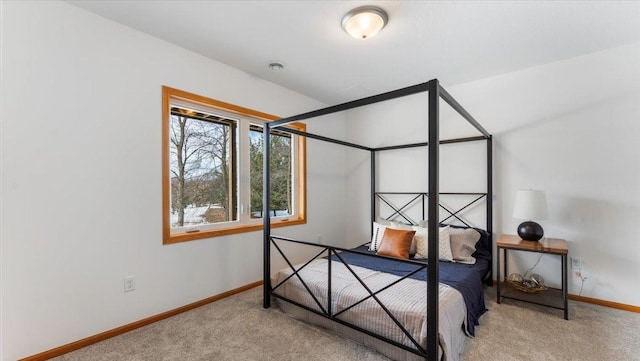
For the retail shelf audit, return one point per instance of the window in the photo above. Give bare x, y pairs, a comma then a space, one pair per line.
281, 170
212, 169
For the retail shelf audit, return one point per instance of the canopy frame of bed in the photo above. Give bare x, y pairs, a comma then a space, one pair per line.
435, 93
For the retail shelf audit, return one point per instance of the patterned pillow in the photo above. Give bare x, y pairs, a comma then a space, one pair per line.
378, 232
420, 242
444, 243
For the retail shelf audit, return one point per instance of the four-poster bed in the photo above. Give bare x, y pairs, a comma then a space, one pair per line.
422, 340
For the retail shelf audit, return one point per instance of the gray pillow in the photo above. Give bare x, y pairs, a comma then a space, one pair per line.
463, 244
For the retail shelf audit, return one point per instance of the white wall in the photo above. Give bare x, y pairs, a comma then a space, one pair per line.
81, 177
570, 128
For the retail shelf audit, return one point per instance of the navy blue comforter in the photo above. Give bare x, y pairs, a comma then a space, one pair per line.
465, 278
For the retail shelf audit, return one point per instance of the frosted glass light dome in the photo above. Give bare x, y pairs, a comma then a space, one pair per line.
364, 22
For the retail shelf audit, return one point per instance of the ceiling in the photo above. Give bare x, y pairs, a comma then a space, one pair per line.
456, 42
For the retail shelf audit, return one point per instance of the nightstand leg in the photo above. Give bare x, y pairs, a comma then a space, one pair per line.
506, 264
498, 275
564, 287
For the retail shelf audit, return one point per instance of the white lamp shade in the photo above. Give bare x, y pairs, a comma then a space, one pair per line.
531, 205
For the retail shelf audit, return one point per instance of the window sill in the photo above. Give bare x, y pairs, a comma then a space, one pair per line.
184, 237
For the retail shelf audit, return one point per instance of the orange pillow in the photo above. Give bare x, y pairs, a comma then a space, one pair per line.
396, 243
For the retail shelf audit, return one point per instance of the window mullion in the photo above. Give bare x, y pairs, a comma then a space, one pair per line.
244, 177
294, 172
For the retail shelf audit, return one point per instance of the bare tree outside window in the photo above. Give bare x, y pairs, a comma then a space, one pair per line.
201, 149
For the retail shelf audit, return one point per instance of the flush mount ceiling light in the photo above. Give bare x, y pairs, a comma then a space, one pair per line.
364, 22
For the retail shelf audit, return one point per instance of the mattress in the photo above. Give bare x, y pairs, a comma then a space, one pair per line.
405, 300
466, 278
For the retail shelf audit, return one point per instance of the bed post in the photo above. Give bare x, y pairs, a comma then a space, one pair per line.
266, 202
489, 281
433, 223
373, 189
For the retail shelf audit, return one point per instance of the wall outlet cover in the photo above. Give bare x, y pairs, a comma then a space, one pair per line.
576, 263
129, 283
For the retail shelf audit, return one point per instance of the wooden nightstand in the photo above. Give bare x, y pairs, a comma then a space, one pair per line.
553, 297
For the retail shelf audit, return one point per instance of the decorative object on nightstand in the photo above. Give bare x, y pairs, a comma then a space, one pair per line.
531, 205
534, 284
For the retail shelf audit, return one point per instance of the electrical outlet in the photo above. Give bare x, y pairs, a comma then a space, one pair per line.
129, 283
576, 263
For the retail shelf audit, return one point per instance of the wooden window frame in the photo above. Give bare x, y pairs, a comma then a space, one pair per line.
300, 216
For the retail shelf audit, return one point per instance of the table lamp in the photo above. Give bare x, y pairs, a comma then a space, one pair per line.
530, 205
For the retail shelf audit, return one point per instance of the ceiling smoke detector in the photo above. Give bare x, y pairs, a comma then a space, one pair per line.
276, 66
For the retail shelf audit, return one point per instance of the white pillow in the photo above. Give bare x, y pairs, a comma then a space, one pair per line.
422, 243
378, 232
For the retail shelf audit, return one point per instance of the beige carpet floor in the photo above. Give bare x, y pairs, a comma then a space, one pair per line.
238, 328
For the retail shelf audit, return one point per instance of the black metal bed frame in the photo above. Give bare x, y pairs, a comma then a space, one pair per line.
334, 253
435, 93
398, 210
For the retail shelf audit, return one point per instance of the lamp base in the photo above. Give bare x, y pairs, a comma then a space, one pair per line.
530, 231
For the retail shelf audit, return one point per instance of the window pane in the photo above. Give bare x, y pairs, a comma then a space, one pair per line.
281, 173
202, 148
